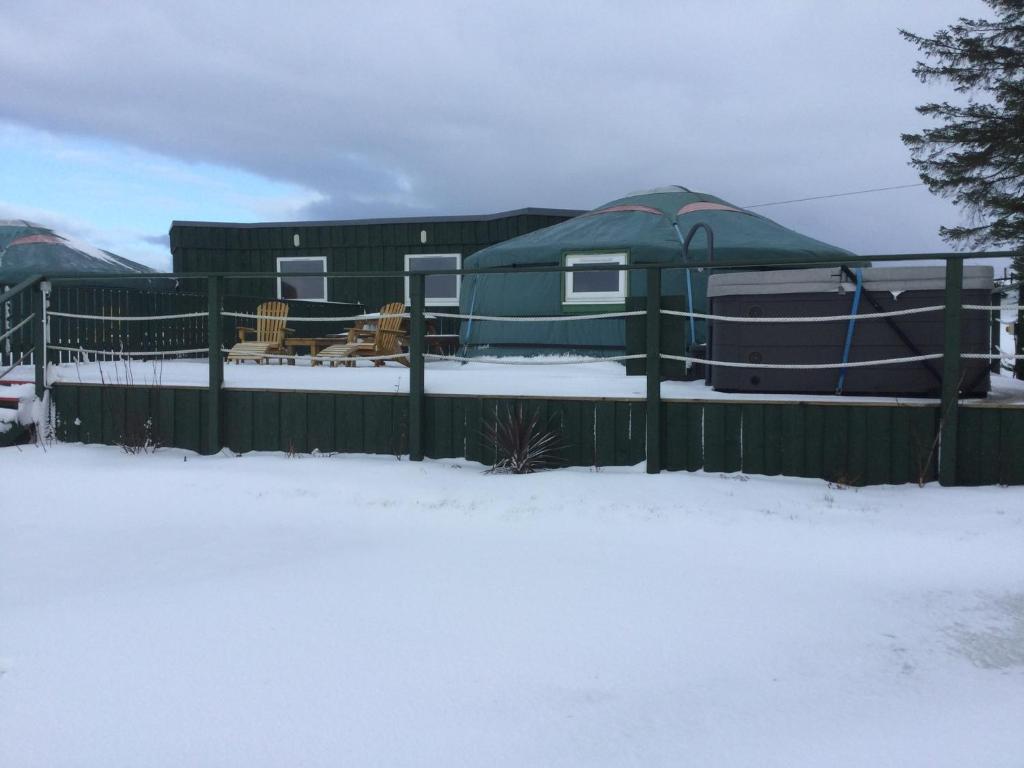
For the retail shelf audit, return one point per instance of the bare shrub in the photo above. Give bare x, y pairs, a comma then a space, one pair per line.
137, 436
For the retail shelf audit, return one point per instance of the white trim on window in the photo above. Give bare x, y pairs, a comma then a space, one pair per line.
321, 259
442, 301
572, 296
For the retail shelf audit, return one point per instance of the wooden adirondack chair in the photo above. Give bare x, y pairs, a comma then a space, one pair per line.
269, 333
384, 339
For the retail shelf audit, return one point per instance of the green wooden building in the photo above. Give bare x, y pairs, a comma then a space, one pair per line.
361, 245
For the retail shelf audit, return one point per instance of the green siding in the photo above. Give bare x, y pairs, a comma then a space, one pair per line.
354, 247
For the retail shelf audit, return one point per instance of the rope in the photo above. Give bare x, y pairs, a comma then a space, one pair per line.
19, 325
821, 319
292, 318
636, 313
996, 307
803, 366
119, 318
554, 319
545, 319
979, 356
119, 353
501, 361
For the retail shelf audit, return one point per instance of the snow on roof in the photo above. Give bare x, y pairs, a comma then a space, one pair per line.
668, 190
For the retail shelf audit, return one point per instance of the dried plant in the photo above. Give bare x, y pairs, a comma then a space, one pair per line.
522, 444
137, 436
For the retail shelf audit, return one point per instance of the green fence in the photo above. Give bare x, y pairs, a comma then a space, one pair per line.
849, 443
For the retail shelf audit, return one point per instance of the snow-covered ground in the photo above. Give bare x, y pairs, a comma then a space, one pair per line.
510, 377
170, 609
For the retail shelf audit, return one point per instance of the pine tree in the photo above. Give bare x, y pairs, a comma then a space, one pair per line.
975, 155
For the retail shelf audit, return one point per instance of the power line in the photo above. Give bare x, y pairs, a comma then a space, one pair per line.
837, 194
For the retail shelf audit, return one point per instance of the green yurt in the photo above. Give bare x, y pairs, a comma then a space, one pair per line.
27, 249
646, 227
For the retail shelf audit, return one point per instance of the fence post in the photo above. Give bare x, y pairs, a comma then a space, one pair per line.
39, 335
653, 370
416, 332
948, 415
1018, 337
216, 361
995, 328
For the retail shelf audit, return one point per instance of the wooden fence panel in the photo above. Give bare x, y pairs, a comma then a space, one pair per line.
238, 420
320, 422
861, 444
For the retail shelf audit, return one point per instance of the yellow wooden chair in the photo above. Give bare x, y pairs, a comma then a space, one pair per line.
269, 334
384, 339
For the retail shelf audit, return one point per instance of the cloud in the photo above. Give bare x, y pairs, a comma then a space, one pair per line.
54, 220
163, 240
402, 108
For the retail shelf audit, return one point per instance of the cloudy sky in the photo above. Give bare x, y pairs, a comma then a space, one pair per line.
117, 118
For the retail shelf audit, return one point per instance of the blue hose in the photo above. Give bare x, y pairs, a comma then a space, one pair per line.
469, 323
849, 330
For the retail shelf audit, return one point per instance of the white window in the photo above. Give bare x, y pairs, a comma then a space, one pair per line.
598, 286
439, 290
307, 288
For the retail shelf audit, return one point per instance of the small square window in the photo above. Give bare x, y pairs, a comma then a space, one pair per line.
597, 286
439, 290
307, 288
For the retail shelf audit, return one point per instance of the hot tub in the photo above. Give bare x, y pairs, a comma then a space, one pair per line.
830, 291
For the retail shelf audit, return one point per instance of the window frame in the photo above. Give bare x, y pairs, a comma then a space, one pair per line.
321, 259
428, 302
572, 299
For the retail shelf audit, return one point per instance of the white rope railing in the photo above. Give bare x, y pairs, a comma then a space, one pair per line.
838, 318
983, 356
549, 318
538, 361
802, 366
810, 319
545, 319
995, 307
128, 318
506, 361
293, 318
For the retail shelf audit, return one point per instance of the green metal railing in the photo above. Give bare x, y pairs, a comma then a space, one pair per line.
214, 281
32, 292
